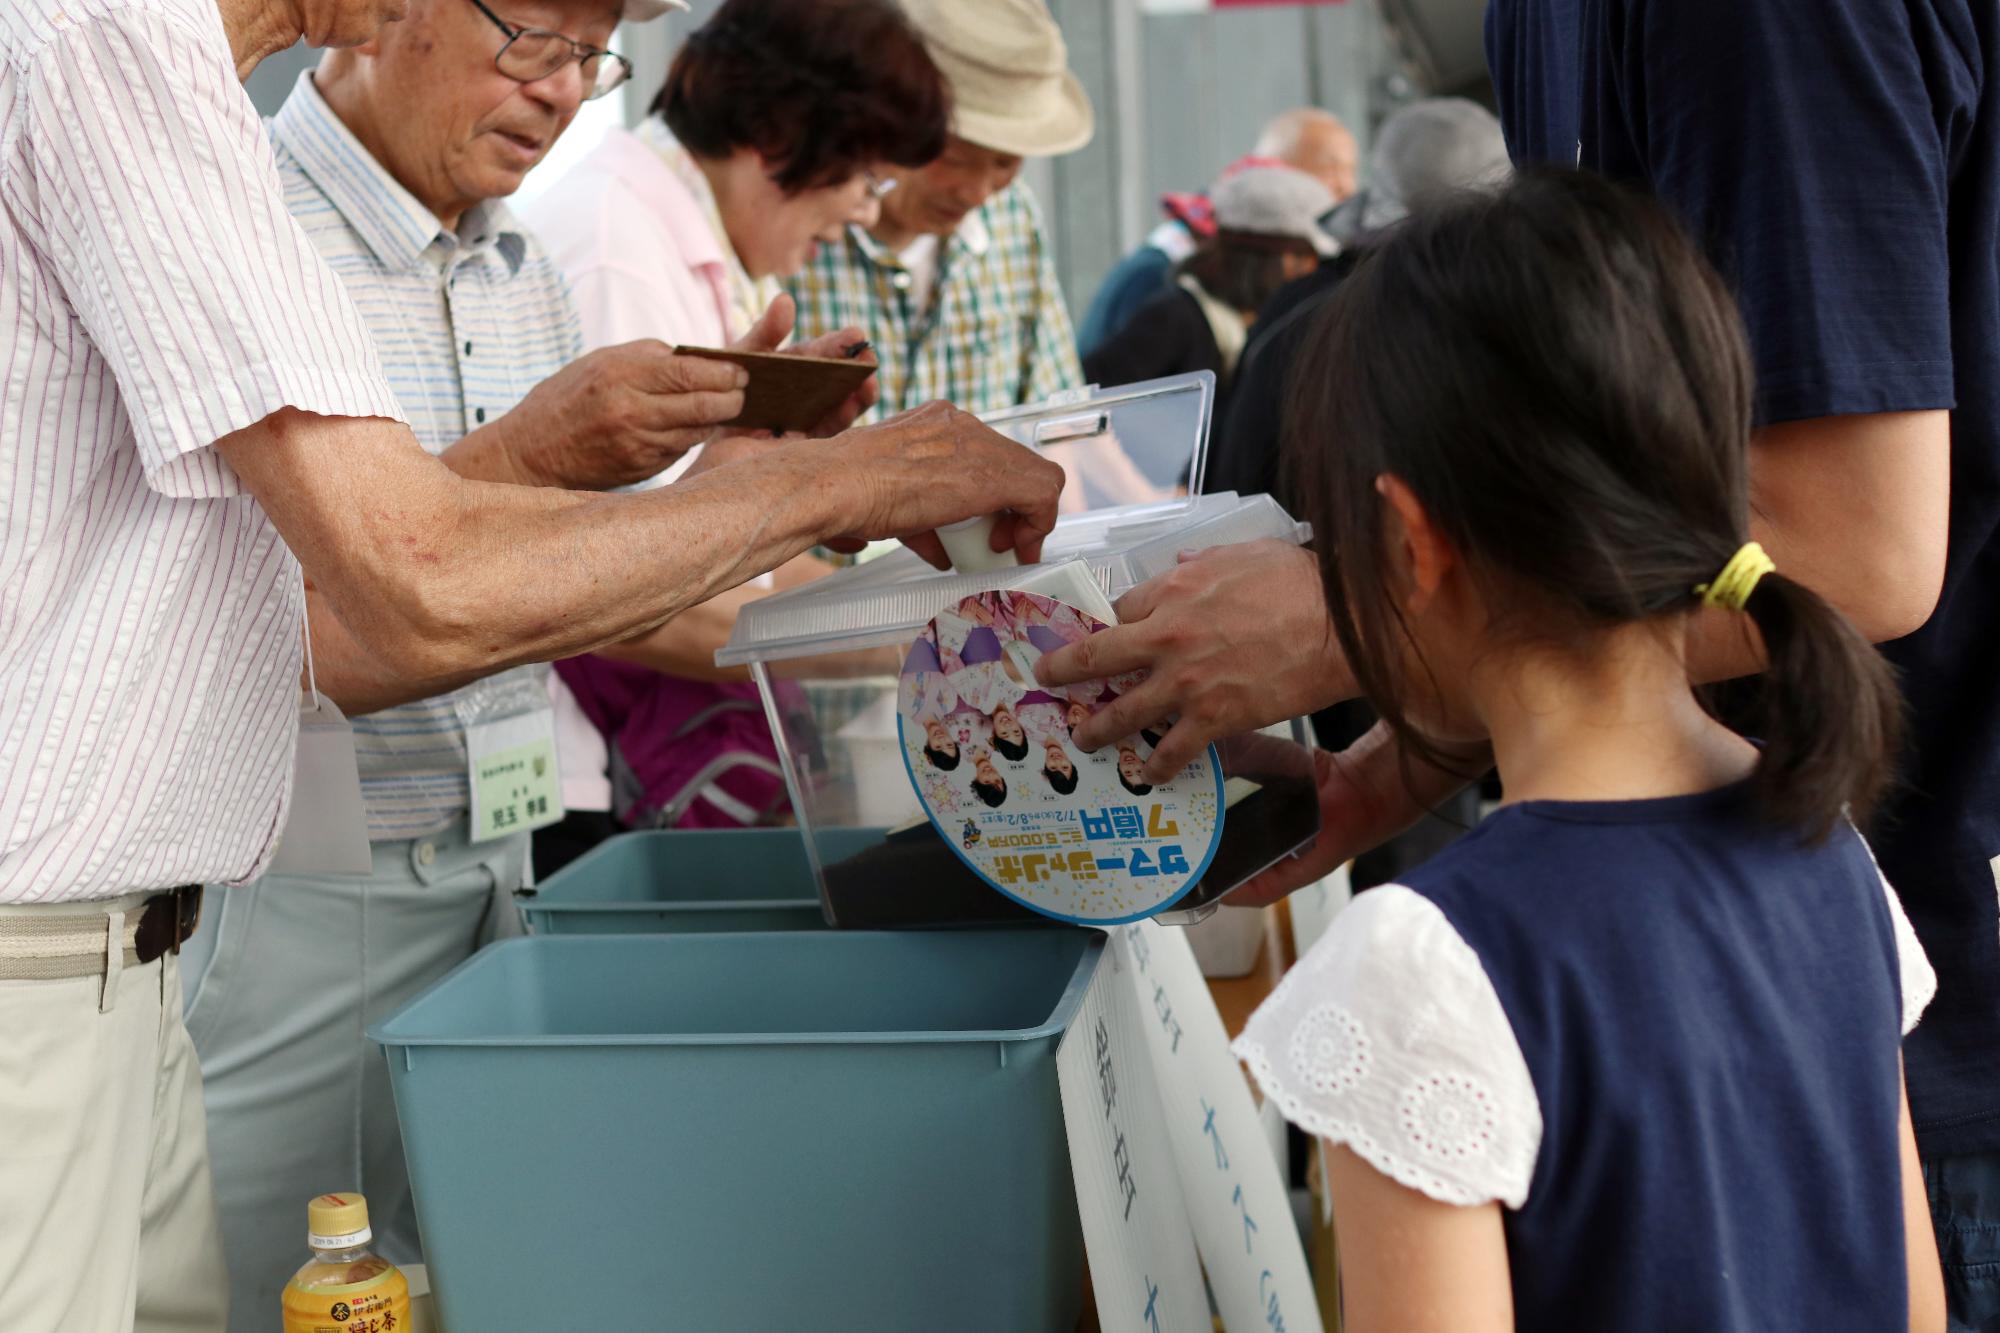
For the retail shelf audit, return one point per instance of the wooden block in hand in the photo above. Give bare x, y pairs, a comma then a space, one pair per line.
789, 393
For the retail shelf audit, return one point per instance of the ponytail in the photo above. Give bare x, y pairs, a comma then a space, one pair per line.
1828, 712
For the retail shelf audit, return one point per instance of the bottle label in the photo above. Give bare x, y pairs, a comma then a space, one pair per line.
379, 1305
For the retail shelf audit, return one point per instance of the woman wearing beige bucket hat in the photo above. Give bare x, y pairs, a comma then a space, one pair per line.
954, 284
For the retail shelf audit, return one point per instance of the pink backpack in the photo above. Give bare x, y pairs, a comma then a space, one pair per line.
684, 753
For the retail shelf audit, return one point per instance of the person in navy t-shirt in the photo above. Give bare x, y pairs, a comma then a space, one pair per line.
1626, 1056
1840, 162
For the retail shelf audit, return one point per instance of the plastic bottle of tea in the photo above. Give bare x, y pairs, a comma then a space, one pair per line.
345, 1287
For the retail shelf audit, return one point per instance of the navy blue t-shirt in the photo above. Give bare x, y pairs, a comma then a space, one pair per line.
1840, 162
1710, 1013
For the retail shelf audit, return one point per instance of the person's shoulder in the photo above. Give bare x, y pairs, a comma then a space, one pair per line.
311, 207
1387, 1024
29, 27
1017, 197
582, 191
1504, 866
596, 212
1014, 211
1305, 293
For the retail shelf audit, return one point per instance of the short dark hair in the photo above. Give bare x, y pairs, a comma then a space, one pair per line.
1064, 783
942, 760
1136, 788
1565, 386
822, 89
1013, 750
993, 793
1243, 270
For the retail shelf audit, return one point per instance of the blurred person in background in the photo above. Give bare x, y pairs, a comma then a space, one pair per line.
1312, 140
1268, 233
1425, 152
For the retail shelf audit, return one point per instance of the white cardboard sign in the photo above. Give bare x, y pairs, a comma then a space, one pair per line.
1143, 1268
1163, 1116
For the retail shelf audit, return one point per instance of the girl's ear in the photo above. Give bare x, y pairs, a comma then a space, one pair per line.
1419, 558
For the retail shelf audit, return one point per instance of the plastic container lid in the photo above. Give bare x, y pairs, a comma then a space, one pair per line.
1124, 445
886, 601
338, 1222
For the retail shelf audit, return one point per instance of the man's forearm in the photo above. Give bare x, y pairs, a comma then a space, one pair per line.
436, 578
686, 645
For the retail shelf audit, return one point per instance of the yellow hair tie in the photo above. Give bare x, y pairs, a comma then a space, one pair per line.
1732, 587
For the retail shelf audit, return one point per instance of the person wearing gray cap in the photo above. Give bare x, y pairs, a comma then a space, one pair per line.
1425, 152
1305, 137
1268, 233
954, 284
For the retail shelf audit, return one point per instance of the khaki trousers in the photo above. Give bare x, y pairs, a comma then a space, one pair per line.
107, 1216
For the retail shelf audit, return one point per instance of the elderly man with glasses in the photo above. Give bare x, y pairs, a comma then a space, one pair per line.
395, 157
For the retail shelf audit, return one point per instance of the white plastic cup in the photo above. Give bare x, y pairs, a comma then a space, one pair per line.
970, 546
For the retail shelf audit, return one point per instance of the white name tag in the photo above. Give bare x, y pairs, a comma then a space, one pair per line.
516, 785
326, 832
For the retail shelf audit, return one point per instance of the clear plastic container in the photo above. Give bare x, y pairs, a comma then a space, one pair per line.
826, 656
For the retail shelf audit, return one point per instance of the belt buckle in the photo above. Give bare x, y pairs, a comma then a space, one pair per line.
167, 919
187, 913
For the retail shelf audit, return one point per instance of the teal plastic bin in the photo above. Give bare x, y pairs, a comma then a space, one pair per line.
675, 881
822, 1130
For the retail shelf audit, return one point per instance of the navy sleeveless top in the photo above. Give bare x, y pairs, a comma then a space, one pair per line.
1711, 1015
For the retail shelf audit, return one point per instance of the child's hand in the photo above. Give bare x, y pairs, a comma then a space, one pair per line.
1365, 799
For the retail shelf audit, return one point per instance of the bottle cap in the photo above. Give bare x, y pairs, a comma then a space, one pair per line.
337, 1222
970, 545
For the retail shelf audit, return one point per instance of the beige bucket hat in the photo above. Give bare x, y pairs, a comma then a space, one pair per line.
1011, 86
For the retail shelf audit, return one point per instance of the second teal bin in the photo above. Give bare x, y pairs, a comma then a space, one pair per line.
684, 881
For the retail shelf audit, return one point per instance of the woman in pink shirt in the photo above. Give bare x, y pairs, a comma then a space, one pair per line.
767, 138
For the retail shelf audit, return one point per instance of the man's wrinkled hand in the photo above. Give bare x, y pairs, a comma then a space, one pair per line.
1234, 639
621, 415
936, 465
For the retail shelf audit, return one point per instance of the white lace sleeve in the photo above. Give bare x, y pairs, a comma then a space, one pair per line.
1388, 1037
1912, 963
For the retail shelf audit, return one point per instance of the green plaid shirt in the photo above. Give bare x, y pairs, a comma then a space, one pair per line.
997, 333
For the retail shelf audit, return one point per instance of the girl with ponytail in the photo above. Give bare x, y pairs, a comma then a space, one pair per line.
1627, 1056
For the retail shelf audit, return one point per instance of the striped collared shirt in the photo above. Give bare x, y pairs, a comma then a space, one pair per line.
995, 332
154, 297
466, 324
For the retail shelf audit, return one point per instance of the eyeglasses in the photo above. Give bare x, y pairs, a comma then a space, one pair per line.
531, 54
